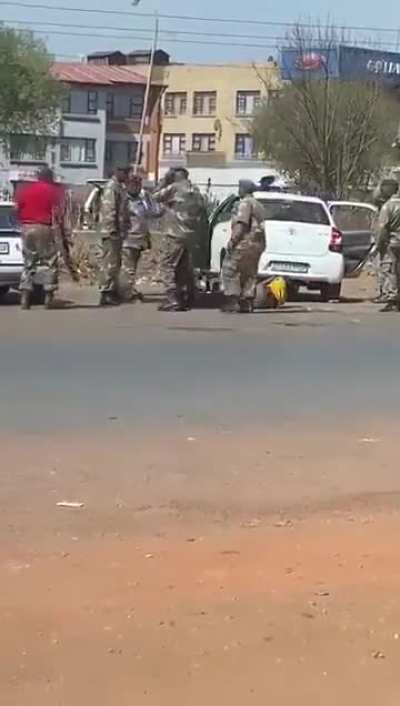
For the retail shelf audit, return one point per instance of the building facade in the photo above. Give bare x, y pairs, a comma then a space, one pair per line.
98, 127
206, 121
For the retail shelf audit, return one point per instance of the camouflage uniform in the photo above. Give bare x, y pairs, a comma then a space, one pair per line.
40, 258
136, 241
240, 265
185, 207
114, 222
382, 260
388, 242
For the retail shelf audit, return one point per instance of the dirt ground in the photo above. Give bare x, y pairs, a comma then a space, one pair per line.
280, 581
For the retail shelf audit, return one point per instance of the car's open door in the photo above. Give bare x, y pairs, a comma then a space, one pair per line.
356, 221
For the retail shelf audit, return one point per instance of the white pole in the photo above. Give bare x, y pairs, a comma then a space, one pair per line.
147, 92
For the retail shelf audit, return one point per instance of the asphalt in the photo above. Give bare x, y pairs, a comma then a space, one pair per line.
78, 366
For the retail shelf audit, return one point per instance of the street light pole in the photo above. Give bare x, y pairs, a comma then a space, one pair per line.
147, 91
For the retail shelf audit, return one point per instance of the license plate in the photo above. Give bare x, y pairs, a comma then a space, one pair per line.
4, 249
289, 267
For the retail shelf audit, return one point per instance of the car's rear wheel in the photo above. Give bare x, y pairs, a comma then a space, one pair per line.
330, 292
4, 289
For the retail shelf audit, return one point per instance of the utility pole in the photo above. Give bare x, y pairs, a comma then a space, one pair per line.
147, 91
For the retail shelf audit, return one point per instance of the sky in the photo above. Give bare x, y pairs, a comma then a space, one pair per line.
190, 35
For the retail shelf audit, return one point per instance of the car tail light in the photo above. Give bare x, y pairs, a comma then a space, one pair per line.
336, 243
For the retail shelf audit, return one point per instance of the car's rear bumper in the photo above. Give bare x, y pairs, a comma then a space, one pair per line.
327, 269
10, 275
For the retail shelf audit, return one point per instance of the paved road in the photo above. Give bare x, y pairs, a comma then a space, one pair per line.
81, 365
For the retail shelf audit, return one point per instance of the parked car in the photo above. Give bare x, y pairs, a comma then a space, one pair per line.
10, 248
304, 244
356, 222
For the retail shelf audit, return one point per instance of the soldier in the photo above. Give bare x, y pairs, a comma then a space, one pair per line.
383, 261
39, 205
138, 237
388, 242
184, 209
114, 223
239, 268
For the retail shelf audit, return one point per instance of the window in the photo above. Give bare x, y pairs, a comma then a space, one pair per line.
244, 147
110, 105
8, 219
174, 144
66, 103
25, 149
175, 104
205, 103
92, 100
247, 102
203, 142
136, 105
78, 151
353, 218
286, 210
225, 211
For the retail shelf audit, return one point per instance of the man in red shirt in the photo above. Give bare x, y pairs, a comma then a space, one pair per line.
38, 208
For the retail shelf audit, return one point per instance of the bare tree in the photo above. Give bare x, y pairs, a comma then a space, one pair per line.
330, 136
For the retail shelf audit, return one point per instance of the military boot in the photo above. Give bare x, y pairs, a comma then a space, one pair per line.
107, 299
49, 300
25, 299
246, 306
170, 305
390, 306
230, 305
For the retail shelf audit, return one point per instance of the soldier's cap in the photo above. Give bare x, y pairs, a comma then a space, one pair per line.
247, 186
181, 170
125, 168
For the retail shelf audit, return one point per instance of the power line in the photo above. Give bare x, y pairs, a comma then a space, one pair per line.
141, 30
189, 18
148, 32
146, 39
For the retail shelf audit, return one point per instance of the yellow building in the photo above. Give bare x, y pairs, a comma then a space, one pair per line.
206, 123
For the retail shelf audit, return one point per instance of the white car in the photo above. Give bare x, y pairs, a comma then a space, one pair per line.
11, 261
304, 244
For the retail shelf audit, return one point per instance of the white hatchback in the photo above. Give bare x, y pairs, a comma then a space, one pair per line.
11, 261
303, 243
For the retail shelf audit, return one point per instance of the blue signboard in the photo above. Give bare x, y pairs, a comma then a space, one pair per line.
347, 63
362, 64
313, 63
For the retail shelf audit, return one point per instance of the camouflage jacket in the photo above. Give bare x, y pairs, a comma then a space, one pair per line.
250, 215
184, 208
114, 213
389, 221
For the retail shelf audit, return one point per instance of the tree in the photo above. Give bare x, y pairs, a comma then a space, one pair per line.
29, 96
330, 136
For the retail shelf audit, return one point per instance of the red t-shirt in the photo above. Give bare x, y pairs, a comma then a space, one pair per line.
37, 202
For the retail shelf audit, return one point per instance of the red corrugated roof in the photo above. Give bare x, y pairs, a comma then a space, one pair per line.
99, 75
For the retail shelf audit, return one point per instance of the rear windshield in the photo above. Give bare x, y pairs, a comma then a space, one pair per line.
8, 218
353, 217
297, 211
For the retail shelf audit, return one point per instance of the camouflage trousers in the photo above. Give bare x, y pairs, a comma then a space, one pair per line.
390, 271
40, 255
381, 267
130, 261
239, 272
110, 264
177, 271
